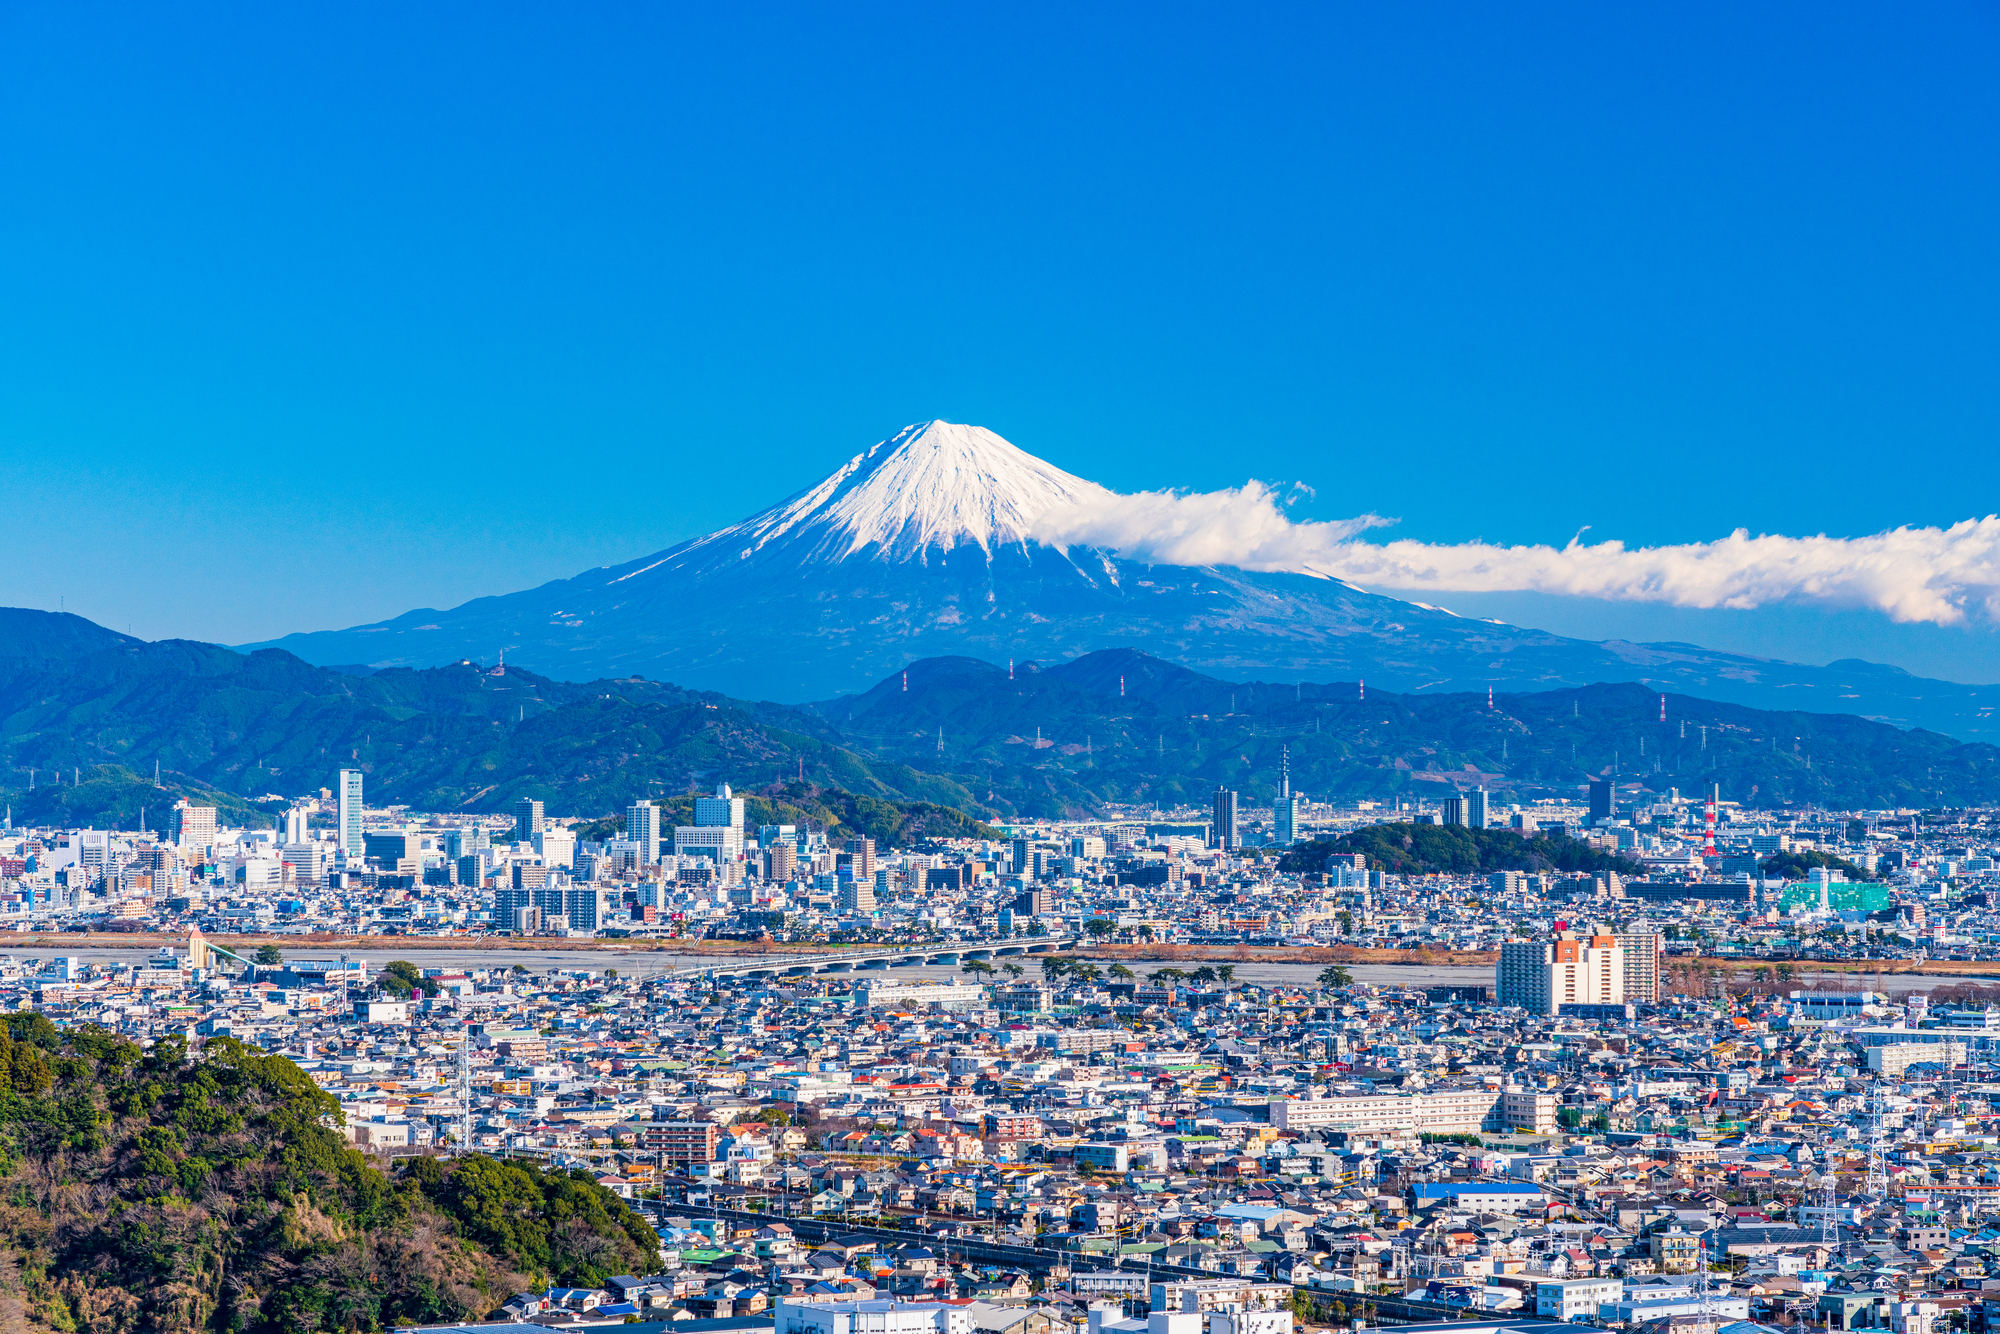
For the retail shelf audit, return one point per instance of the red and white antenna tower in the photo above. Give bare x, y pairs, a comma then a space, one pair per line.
1489, 697
906, 680
1121, 687
1361, 690
1708, 844
1663, 708
1010, 669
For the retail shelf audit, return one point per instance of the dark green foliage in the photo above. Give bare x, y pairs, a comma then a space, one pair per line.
1421, 849
148, 1191
1128, 727
964, 741
1794, 865
561, 1224
112, 796
226, 727
404, 977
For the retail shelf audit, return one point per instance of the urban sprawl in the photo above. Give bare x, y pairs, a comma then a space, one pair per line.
1675, 1097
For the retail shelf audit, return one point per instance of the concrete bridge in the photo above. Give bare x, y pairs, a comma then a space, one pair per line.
799, 965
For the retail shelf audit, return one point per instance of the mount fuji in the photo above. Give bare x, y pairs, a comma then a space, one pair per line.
925, 546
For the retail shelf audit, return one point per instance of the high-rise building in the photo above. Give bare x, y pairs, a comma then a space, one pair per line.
1451, 810
1020, 861
642, 826
585, 908
780, 860
395, 849
555, 846
528, 820
720, 843
1572, 969
1285, 811
1600, 799
1222, 828
294, 824
721, 811
1032, 903
1477, 811
549, 902
857, 897
1642, 965
350, 813
464, 842
193, 829
1521, 977
862, 851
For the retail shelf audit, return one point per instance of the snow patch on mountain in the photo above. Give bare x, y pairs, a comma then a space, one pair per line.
929, 488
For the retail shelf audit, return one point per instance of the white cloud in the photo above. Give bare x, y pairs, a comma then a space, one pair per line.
1245, 527
1910, 574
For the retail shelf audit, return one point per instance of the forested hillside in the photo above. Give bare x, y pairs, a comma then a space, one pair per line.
949, 735
1427, 849
149, 1192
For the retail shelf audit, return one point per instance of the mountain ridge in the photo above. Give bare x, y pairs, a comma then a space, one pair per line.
925, 546
944, 740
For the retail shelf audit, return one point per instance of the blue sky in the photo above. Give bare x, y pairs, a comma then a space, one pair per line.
318, 314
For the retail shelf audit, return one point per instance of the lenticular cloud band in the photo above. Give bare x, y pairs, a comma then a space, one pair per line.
1910, 574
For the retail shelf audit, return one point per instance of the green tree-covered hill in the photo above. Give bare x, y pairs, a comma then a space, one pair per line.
1421, 849
949, 743
145, 1191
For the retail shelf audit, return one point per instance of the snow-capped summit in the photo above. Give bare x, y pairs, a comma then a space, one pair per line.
930, 487
925, 546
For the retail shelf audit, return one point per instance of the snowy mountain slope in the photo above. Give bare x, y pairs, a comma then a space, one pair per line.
921, 547
927, 489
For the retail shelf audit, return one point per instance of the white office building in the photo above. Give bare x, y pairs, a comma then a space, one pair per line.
642, 826
351, 841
